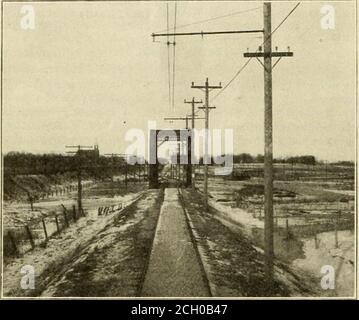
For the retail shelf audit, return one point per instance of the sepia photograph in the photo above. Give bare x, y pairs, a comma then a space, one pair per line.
179, 149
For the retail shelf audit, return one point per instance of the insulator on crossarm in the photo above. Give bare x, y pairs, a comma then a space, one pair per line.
260, 48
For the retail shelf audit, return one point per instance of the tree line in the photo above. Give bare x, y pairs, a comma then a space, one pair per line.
259, 158
47, 164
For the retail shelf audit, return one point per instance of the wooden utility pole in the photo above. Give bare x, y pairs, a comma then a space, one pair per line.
207, 33
193, 103
268, 142
267, 55
78, 155
268, 158
206, 108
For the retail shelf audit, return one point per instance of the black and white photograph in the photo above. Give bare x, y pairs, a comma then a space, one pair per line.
179, 150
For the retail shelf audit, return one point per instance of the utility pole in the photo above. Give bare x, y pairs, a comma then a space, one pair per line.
268, 158
78, 154
267, 55
268, 142
206, 107
206, 33
193, 103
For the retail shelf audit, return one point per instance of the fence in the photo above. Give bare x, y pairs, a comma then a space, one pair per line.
306, 219
20, 240
23, 239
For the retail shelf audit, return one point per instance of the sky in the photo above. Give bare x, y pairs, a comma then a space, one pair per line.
89, 72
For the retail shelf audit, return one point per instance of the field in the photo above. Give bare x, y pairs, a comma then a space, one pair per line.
313, 214
314, 223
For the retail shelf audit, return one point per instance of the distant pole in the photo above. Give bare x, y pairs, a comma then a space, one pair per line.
206, 107
191, 170
205, 157
79, 189
80, 150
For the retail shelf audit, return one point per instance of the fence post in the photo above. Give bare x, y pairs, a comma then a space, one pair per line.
31, 200
74, 212
44, 226
29, 234
316, 241
65, 216
336, 230
13, 242
287, 228
57, 224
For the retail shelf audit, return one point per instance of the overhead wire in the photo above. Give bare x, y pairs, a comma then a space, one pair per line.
213, 18
247, 62
174, 58
168, 62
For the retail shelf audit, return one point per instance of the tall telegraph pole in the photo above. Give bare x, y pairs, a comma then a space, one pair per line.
267, 55
78, 155
206, 108
206, 87
268, 142
193, 103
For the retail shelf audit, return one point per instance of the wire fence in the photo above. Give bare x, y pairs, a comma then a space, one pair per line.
22, 239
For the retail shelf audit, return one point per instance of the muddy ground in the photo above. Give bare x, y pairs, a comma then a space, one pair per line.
236, 265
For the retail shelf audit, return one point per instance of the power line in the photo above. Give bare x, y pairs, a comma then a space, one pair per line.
168, 62
213, 18
247, 62
174, 59
233, 78
294, 8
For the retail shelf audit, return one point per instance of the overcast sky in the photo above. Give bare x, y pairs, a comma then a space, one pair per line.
90, 71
